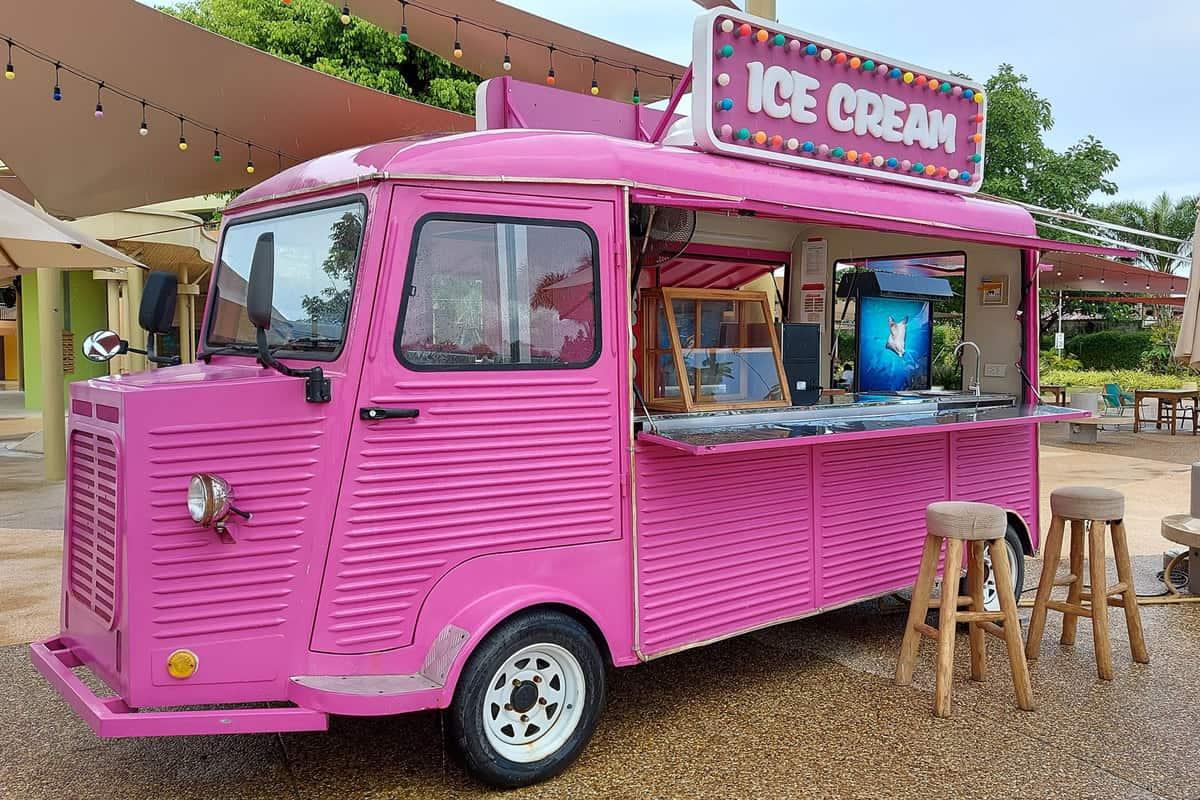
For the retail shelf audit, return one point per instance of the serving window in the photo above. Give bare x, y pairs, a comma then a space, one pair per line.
709, 350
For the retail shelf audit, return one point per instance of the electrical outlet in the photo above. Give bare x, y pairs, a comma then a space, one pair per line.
995, 370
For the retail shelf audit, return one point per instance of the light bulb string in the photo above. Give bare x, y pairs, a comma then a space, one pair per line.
578, 54
116, 90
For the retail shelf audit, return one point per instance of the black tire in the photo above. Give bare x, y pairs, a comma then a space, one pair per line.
466, 714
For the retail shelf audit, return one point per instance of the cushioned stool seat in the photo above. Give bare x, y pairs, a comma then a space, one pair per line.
970, 522
1087, 502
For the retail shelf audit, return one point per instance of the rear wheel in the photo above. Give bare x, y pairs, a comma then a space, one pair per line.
1016, 566
528, 700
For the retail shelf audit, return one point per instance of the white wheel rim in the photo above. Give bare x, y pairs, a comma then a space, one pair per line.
534, 702
991, 598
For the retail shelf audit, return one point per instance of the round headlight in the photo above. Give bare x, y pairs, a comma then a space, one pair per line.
209, 498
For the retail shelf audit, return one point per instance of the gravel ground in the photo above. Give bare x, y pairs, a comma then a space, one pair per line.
802, 710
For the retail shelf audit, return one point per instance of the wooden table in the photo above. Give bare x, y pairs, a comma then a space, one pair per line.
1059, 392
1172, 397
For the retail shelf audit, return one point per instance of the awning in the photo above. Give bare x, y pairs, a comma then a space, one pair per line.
1082, 272
78, 165
841, 217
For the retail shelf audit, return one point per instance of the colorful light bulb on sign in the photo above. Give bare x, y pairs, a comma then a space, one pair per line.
767, 92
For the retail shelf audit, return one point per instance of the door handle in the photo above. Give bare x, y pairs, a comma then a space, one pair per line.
375, 413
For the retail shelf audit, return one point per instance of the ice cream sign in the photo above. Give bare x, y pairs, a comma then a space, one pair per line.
767, 92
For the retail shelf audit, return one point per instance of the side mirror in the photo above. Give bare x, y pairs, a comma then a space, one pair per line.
261, 286
259, 300
157, 311
102, 346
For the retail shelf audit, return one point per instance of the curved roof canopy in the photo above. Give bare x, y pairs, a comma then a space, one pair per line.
76, 164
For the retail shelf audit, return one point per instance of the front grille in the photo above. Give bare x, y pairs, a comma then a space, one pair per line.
92, 540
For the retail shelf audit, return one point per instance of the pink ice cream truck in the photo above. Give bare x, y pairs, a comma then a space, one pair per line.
478, 416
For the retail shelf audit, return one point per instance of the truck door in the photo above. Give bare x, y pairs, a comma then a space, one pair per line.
489, 410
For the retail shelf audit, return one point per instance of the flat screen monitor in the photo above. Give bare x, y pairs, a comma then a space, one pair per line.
895, 343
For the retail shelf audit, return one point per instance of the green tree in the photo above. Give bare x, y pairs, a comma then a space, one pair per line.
1162, 215
1020, 165
310, 32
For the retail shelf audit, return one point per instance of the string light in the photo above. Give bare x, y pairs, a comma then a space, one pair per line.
345, 14
637, 93
550, 73
249, 160
595, 86
217, 147
508, 34
104, 88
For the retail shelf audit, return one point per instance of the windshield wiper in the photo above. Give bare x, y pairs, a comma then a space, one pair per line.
316, 342
241, 348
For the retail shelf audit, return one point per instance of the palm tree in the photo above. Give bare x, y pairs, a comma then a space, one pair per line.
1162, 215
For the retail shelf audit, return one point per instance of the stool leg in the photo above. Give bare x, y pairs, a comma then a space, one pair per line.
1133, 616
918, 610
1012, 625
947, 619
1099, 604
1051, 552
978, 636
1075, 590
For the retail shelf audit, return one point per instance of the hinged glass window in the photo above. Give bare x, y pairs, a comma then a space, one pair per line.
497, 293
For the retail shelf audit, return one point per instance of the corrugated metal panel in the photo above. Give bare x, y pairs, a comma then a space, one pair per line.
724, 542
200, 585
995, 466
495, 462
871, 498
93, 538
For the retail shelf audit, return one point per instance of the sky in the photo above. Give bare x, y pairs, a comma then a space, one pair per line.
1117, 69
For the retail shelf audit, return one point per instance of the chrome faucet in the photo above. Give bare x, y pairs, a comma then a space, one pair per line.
974, 387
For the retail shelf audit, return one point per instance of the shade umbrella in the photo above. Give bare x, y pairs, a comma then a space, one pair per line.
1187, 349
32, 239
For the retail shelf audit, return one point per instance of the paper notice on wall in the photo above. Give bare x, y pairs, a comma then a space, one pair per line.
813, 275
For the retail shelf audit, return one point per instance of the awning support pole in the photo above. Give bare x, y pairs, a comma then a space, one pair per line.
134, 332
50, 344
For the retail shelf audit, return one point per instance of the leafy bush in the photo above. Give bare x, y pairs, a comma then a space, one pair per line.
1110, 349
1160, 356
1050, 359
1127, 379
946, 369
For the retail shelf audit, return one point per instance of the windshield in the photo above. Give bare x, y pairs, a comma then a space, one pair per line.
316, 257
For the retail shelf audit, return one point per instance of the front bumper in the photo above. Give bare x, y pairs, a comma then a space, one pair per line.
111, 718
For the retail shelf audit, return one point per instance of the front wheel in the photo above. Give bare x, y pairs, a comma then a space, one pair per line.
527, 700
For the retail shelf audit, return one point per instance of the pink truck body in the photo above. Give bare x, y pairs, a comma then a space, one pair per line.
380, 553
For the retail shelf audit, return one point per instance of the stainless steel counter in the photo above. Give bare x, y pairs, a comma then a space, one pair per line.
704, 432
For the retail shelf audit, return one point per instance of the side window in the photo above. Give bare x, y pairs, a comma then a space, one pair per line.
495, 293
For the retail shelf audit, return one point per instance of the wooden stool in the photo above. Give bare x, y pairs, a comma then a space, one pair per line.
1099, 507
978, 524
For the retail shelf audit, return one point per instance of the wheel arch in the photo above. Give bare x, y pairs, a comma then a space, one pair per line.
1018, 523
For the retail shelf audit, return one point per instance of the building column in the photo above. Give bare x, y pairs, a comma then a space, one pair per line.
50, 344
112, 288
133, 301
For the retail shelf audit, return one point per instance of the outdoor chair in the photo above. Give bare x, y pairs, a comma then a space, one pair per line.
1114, 398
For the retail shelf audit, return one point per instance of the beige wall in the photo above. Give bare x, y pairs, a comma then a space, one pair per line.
995, 329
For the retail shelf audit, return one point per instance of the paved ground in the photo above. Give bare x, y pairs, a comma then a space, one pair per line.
804, 710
